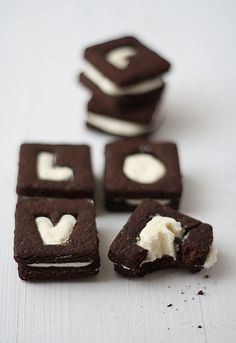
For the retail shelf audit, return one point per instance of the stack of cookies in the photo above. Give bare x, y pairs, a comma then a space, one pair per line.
125, 78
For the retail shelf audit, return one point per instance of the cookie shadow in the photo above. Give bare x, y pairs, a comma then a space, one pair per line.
99, 196
182, 121
191, 200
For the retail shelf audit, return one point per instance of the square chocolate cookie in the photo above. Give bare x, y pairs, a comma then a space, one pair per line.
138, 113
56, 239
132, 122
124, 101
126, 61
136, 169
157, 237
55, 171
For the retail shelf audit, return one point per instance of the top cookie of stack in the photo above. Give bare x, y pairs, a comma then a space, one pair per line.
125, 78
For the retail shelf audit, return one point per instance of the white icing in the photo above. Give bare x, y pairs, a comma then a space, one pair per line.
117, 126
123, 266
58, 234
143, 168
47, 170
136, 202
61, 265
158, 236
110, 88
211, 258
119, 57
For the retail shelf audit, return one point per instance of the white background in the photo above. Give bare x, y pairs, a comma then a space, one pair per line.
41, 44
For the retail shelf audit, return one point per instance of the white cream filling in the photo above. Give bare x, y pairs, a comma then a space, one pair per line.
47, 170
110, 88
143, 168
61, 265
158, 237
136, 202
58, 234
211, 258
117, 126
119, 57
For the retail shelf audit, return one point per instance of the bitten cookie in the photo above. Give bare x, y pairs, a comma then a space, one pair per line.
157, 237
55, 171
136, 169
56, 239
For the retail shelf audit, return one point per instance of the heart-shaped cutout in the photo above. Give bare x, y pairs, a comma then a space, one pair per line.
58, 234
120, 57
47, 169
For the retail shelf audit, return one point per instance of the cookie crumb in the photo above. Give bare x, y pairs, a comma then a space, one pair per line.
199, 327
200, 292
169, 305
182, 292
206, 276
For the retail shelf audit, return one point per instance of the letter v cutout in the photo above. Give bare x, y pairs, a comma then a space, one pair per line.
58, 234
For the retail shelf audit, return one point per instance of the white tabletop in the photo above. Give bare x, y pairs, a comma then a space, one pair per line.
41, 45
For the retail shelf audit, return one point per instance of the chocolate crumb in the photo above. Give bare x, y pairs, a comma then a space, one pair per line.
200, 292
206, 276
199, 327
169, 305
182, 292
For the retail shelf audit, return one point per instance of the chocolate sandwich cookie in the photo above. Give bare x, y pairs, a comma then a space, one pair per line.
55, 171
124, 69
136, 169
122, 102
56, 239
139, 113
132, 122
157, 237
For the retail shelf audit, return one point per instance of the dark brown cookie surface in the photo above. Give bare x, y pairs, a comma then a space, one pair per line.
195, 247
76, 157
145, 64
119, 187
